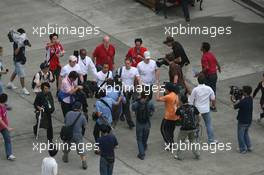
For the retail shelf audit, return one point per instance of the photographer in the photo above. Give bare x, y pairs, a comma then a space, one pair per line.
260, 87
180, 56
19, 47
244, 118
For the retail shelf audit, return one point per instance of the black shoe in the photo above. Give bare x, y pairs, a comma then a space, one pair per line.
187, 19
122, 117
141, 157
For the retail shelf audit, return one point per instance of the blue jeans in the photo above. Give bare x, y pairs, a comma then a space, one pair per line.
105, 167
7, 139
243, 137
142, 133
209, 127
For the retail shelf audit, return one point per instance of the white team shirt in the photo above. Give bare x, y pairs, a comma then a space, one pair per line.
128, 77
65, 71
86, 65
200, 98
147, 72
49, 166
44, 78
101, 78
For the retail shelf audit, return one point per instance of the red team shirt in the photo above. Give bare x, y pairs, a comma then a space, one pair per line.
133, 54
53, 54
3, 116
209, 63
104, 55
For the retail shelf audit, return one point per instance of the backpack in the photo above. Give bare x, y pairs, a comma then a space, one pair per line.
66, 132
142, 113
189, 120
33, 84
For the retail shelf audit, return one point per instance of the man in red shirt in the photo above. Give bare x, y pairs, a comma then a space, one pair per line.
54, 50
210, 66
136, 54
104, 54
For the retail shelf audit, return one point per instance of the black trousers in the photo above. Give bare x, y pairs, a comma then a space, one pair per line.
126, 108
96, 131
211, 81
65, 107
185, 8
167, 130
49, 127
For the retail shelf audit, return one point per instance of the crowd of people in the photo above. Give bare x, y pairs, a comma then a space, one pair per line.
118, 90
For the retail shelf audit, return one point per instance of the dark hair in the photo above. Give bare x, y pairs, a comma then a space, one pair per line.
110, 82
82, 50
175, 69
184, 99
206, 46
143, 94
73, 75
247, 89
20, 30
105, 128
128, 59
201, 78
52, 35
3, 98
52, 150
138, 40
101, 93
44, 84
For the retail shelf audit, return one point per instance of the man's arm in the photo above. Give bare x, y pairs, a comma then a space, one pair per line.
17, 51
218, 66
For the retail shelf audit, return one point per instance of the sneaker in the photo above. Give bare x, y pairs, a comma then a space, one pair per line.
197, 157
84, 164
65, 158
243, 152
11, 157
10, 85
249, 150
141, 157
25, 91
214, 142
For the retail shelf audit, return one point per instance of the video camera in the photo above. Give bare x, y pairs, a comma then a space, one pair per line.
236, 93
19, 37
163, 61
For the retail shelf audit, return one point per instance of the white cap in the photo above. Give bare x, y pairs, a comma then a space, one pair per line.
72, 58
147, 55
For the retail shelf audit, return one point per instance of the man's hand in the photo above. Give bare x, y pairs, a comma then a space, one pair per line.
10, 129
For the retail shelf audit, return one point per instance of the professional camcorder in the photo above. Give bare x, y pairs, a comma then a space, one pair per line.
19, 37
236, 93
164, 61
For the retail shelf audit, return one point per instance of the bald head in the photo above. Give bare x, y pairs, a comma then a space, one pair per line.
106, 41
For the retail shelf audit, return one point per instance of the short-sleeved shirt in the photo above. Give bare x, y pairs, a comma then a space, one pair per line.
101, 77
104, 55
201, 96
106, 112
44, 78
179, 52
147, 72
3, 116
171, 103
20, 57
49, 166
128, 77
81, 122
209, 63
65, 71
66, 86
107, 145
52, 55
133, 54
245, 111
87, 64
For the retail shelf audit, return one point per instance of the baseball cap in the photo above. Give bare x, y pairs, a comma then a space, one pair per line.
147, 55
72, 58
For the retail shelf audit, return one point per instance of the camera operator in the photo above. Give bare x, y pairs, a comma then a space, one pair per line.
136, 54
149, 73
180, 56
129, 77
86, 64
244, 118
20, 59
260, 87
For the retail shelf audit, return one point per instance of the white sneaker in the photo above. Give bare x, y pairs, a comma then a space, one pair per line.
25, 91
10, 85
11, 157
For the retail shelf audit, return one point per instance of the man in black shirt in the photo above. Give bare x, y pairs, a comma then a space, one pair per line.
244, 117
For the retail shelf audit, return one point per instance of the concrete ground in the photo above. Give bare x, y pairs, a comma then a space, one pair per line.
240, 54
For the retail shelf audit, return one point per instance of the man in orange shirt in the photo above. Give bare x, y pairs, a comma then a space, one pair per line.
136, 54
171, 101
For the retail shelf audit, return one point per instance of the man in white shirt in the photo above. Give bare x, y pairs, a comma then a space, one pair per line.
103, 76
128, 77
71, 66
201, 97
86, 64
148, 72
49, 164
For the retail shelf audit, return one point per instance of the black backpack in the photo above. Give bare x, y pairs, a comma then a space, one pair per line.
33, 84
142, 113
66, 132
189, 120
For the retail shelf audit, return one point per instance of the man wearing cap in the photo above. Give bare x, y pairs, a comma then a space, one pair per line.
77, 139
180, 56
148, 72
44, 75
